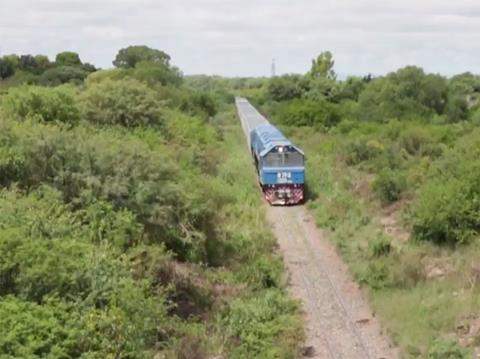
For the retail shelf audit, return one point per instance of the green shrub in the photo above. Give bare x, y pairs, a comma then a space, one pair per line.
29, 330
389, 185
447, 211
263, 326
406, 94
128, 103
12, 165
116, 74
415, 141
62, 75
457, 109
319, 114
45, 104
447, 349
448, 206
157, 74
376, 275
420, 142
361, 150
284, 88
380, 246
391, 159
263, 273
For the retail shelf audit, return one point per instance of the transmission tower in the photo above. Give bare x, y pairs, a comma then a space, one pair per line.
274, 69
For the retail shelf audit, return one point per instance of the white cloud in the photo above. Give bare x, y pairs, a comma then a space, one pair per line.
241, 37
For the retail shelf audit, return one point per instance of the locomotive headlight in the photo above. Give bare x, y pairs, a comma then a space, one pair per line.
280, 149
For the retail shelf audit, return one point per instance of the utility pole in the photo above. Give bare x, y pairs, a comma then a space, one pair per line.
274, 69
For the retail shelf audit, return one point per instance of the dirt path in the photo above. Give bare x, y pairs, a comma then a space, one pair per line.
339, 321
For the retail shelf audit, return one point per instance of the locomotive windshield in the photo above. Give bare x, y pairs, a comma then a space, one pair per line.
285, 159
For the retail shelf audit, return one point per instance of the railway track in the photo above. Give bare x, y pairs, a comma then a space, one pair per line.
339, 323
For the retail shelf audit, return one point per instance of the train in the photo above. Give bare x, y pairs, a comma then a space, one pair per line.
279, 163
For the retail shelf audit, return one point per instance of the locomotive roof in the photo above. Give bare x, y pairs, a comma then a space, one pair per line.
272, 137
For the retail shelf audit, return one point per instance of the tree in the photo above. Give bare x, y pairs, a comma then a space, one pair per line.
61, 75
6, 68
157, 73
322, 88
68, 58
352, 87
322, 66
466, 86
13, 59
456, 109
320, 113
43, 62
129, 57
28, 63
408, 93
89, 67
284, 88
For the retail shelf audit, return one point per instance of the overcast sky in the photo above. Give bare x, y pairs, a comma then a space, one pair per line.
240, 38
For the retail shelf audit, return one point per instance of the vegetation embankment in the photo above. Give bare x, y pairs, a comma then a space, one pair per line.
129, 227
393, 173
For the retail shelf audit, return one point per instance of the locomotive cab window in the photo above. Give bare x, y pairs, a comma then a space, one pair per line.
283, 159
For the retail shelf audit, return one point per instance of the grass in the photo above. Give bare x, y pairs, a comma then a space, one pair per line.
416, 317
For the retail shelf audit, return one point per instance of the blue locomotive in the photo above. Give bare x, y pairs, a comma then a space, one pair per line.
280, 165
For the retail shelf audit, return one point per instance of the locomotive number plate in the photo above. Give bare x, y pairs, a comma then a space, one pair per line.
284, 177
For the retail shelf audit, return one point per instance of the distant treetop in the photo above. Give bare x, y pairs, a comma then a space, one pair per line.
68, 58
322, 66
129, 57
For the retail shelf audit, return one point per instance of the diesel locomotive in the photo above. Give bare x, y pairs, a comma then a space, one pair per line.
279, 163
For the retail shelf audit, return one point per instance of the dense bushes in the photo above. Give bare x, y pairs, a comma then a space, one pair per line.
121, 170
319, 114
35, 330
52, 257
128, 232
59, 329
407, 93
155, 74
127, 103
28, 69
361, 150
63, 74
447, 349
389, 185
44, 104
257, 321
285, 88
447, 209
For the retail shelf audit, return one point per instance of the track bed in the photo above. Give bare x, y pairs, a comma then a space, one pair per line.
339, 321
